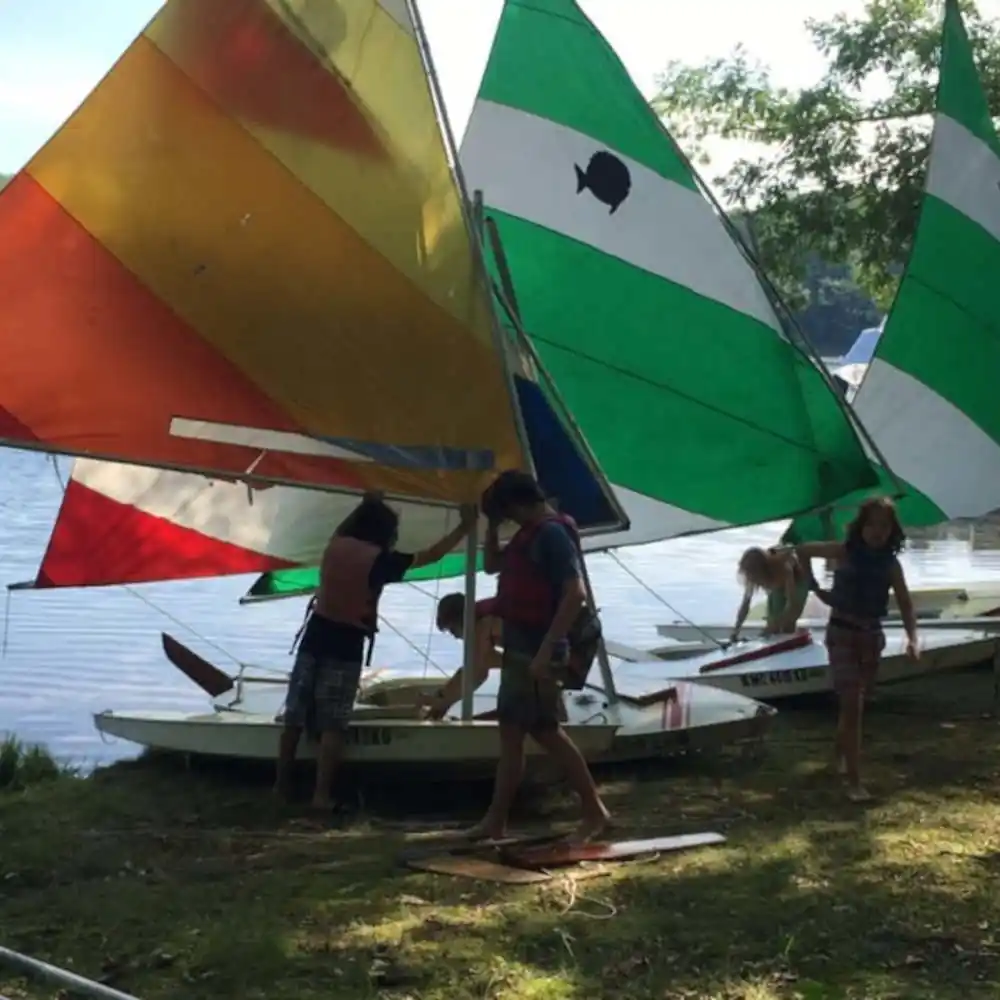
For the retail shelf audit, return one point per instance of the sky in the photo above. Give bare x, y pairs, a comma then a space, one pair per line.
53, 52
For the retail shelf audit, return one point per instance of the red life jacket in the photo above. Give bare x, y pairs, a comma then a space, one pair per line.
345, 595
524, 593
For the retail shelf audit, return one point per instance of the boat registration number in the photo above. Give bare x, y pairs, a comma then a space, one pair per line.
796, 676
368, 736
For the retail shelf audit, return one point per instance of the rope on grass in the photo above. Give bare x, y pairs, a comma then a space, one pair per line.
570, 883
573, 896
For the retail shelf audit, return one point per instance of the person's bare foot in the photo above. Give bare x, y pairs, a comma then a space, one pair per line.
858, 793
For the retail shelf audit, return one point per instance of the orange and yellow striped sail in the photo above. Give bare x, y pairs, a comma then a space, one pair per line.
246, 239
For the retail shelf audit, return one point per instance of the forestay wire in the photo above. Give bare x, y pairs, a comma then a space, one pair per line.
684, 618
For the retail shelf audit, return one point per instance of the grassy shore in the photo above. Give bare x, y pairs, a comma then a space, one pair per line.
173, 883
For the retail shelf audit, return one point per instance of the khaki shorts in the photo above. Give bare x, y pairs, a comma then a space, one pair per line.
535, 705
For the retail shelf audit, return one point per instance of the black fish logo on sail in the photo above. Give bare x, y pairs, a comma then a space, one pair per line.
606, 177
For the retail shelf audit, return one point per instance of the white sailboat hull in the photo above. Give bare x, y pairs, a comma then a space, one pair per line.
805, 670
698, 716
972, 606
715, 633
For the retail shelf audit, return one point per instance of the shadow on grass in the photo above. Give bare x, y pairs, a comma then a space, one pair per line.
169, 882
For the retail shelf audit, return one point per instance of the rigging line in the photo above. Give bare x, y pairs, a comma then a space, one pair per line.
420, 652
426, 653
181, 624
6, 624
433, 619
435, 596
420, 590
642, 583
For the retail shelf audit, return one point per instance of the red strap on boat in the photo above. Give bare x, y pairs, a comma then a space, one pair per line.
781, 646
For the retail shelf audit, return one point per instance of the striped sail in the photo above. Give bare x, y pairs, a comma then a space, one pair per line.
929, 397
656, 330
242, 250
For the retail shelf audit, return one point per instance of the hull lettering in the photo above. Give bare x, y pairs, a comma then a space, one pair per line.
797, 676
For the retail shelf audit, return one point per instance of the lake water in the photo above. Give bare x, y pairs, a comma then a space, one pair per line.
66, 654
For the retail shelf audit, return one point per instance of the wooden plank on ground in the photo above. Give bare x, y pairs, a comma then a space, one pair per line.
567, 853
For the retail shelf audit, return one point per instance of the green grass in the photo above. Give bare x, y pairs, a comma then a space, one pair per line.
169, 883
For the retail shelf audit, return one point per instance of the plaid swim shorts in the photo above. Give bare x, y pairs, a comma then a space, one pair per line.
321, 693
854, 653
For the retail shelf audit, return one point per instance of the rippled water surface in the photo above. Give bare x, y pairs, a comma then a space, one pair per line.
69, 653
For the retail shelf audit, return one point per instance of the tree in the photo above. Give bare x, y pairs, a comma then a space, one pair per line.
841, 165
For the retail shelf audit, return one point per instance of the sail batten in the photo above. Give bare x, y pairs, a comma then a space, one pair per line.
132, 524
417, 456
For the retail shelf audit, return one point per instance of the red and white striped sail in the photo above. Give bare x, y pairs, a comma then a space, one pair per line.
123, 524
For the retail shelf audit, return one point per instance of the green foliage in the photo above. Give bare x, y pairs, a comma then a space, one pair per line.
3, 180
842, 163
22, 766
834, 310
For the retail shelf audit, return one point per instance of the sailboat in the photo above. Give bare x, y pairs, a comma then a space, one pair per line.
928, 397
853, 365
665, 283
226, 305
675, 284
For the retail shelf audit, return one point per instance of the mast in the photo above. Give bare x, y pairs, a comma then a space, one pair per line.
508, 297
468, 214
469, 622
482, 276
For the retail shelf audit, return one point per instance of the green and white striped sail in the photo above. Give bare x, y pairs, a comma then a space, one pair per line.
930, 397
652, 323
654, 327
